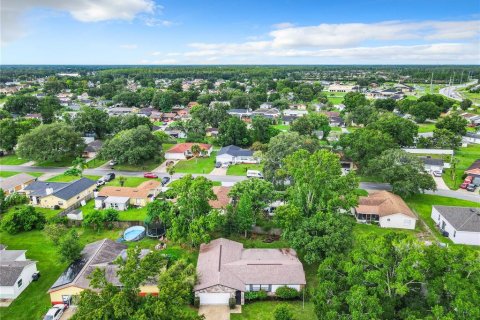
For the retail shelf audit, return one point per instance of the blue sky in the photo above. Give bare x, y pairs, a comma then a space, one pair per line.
240, 32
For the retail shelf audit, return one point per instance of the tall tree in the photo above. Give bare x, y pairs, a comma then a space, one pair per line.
233, 131
454, 123
91, 120
353, 100
403, 131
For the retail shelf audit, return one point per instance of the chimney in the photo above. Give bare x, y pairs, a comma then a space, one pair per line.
48, 190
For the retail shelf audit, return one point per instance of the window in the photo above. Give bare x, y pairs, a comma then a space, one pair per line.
60, 203
19, 283
406, 222
258, 287
454, 233
254, 287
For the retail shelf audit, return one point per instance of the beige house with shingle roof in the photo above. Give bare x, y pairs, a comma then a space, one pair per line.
386, 208
227, 270
16, 183
121, 198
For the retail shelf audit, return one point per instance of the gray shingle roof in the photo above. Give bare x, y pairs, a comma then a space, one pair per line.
461, 218
432, 161
10, 268
14, 181
62, 190
235, 151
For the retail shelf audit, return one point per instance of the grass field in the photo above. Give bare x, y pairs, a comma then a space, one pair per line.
466, 157
95, 163
475, 97
146, 166
62, 163
12, 160
196, 165
265, 310
64, 178
426, 127
241, 169
282, 127
131, 214
6, 174
129, 182
422, 205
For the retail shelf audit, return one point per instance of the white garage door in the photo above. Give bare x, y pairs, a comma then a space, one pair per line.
214, 298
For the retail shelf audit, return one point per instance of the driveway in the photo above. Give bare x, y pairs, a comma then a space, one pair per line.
440, 183
163, 167
69, 313
215, 312
219, 172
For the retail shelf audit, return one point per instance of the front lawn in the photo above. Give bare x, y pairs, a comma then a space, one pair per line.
62, 163
426, 127
64, 178
146, 166
466, 157
12, 160
265, 310
6, 174
196, 165
241, 169
129, 182
282, 127
422, 204
95, 163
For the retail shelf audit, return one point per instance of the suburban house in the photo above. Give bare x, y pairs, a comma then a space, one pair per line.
471, 137
92, 149
183, 151
226, 270
386, 208
120, 111
459, 224
100, 254
169, 117
241, 113
233, 155
16, 183
222, 197
175, 133
120, 198
473, 119
404, 88
294, 112
337, 87
431, 164
334, 118
59, 194
16, 273
474, 169
211, 132
156, 116
271, 113
288, 120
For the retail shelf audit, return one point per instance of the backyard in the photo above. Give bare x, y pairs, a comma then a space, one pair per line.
426, 127
466, 156
196, 165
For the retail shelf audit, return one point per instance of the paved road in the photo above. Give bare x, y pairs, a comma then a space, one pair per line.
474, 196
452, 93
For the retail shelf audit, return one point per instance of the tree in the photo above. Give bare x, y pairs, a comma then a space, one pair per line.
442, 103
454, 123
164, 100
196, 130
69, 247
233, 131
80, 164
48, 106
55, 231
125, 122
21, 104
402, 131
283, 312
260, 192
50, 142
245, 215
365, 144
262, 131
363, 115
309, 124
91, 120
122, 180
353, 100
441, 139
158, 211
11, 129
424, 110
466, 104
23, 219
132, 146
404, 172
388, 104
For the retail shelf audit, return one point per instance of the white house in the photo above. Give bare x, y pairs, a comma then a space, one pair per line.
294, 112
183, 151
432, 164
233, 154
459, 224
16, 273
226, 270
386, 208
471, 137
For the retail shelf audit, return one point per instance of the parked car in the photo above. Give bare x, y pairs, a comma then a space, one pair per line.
100, 182
55, 312
468, 179
150, 175
108, 177
464, 185
165, 180
169, 163
112, 163
471, 187
254, 174
218, 165
437, 173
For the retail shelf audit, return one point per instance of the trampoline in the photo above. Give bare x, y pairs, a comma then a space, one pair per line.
155, 230
134, 233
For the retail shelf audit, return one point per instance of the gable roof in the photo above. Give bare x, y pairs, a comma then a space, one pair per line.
94, 146
432, 161
62, 190
14, 181
461, 218
142, 191
225, 262
182, 147
235, 151
383, 203
11, 267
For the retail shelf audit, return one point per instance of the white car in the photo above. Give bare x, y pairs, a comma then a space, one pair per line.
254, 174
55, 312
437, 173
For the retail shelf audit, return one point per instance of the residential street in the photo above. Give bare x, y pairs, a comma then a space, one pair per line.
228, 180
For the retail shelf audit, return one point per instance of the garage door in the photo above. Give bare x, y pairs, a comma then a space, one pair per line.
214, 298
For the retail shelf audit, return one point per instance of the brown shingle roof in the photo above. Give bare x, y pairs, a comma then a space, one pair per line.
182, 147
222, 197
383, 203
142, 191
225, 262
15, 181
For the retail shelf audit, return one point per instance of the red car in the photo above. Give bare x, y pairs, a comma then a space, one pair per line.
150, 175
468, 179
464, 185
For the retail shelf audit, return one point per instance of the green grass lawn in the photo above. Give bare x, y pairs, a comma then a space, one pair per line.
426, 127
282, 127
167, 146
241, 169
475, 97
196, 165
466, 157
95, 163
132, 214
6, 174
146, 166
422, 205
265, 309
64, 178
62, 163
12, 160
129, 182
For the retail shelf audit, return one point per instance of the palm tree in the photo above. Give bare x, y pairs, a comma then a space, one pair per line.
122, 180
196, 151
80, 164
171, 170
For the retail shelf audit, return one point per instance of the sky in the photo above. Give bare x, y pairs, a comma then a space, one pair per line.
240, 32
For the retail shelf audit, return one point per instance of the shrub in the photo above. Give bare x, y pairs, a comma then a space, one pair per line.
55, 232
232, 302
283, 312
15, 199
97, 219
256, 295
23, 219
286, 293
196, 302
69, 247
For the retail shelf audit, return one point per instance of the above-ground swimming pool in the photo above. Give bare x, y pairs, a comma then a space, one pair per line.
134, 233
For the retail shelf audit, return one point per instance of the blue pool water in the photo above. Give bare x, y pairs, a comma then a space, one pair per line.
134, 233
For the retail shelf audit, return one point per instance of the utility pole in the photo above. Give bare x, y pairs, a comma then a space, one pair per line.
461, 77
431, 83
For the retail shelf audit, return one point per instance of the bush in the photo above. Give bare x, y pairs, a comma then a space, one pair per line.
232, 302
196, 302
283, 312
256, 295
69, 247
97, 219
23, 219
55, 232
15, 199
286, 293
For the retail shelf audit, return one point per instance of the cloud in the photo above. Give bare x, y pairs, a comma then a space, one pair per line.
82, 10
283, 25
155, 22
129, 46
381, 42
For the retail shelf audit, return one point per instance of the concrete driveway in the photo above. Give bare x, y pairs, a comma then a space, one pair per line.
440, 183
215, 312
219, 172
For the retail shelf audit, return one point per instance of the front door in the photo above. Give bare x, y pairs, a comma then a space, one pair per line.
238, 297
